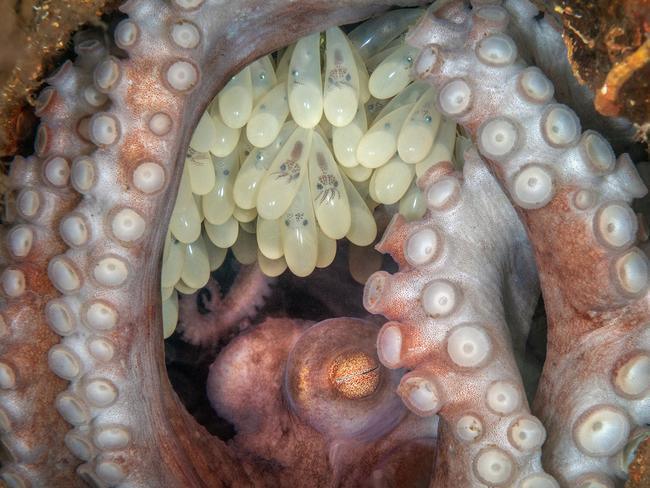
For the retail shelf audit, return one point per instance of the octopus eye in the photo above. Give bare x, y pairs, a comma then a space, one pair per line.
286, 222
319, 186
336, 184
348, 77
305, 222
283, 167
226, 172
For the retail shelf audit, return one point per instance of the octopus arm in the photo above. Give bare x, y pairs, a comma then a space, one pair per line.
572, 194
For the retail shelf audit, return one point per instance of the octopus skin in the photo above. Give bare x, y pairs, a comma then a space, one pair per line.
121, 155
81, 316
240, 304
342, 427
449, 327
572, 195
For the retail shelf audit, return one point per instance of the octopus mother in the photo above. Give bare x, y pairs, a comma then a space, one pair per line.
82, 294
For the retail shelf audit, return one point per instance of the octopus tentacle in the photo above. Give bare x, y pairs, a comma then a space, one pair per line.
448, 325
32, 316
245, 296
127, 168
572, 195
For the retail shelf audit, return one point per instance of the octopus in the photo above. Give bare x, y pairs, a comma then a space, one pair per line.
339, 75
327, 184
425, 388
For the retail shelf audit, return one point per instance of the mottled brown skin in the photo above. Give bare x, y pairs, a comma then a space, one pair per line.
592, 323
247, 386
29, 347
187, 453
291, 21
173, 449
582, 307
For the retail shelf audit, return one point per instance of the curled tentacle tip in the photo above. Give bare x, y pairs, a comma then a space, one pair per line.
392, 240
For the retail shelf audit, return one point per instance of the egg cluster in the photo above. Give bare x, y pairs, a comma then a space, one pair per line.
296, 152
